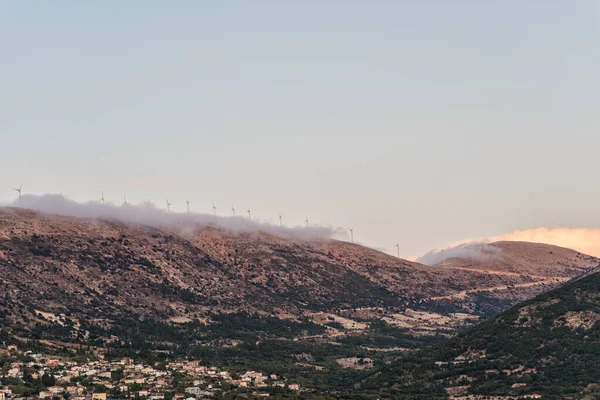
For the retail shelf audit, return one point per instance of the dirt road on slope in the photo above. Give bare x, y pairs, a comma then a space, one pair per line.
462, 294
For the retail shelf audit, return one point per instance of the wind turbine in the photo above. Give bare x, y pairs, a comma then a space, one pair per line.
233, 210
398, 248
351, 234
249, 211
214, 209
443, 258
102, 198
125, 200
168, 205
306, 222
187, 202
19, 190
280, 220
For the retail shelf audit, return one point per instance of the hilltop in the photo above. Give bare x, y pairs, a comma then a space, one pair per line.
524, 258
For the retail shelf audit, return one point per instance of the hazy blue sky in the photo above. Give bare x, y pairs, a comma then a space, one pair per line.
426, 122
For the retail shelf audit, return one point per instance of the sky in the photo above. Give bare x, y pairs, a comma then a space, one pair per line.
421, 123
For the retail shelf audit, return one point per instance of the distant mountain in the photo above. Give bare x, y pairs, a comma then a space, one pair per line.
93, 279
534, 259
548, 346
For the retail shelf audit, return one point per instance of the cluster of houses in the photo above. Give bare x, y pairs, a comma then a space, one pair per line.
101, 379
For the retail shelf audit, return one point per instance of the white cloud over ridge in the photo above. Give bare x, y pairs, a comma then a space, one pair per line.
148, 214
470, 251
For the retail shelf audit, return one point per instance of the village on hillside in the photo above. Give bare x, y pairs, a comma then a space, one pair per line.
25, 374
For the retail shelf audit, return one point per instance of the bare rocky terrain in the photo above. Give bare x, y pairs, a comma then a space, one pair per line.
546, 347
529, 269
523, 258
95, 276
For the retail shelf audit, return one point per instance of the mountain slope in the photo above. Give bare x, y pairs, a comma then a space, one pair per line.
534, 259
548, 346
529, 269
106, 275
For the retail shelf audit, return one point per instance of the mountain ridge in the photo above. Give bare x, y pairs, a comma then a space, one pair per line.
101, 271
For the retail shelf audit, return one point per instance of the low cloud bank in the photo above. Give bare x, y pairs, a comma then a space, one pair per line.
469, 251
148, 214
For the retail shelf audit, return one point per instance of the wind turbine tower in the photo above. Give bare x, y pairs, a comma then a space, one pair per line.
125, 200
351, 234
214, 209
249, 211
306, 222
102, 198
280, 220
187, 203
443, 258
233, 211
398, 248
168, 205
19, 191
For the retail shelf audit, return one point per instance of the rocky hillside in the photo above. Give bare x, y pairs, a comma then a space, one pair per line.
548, 346
533, 259
529, 269
98, 273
